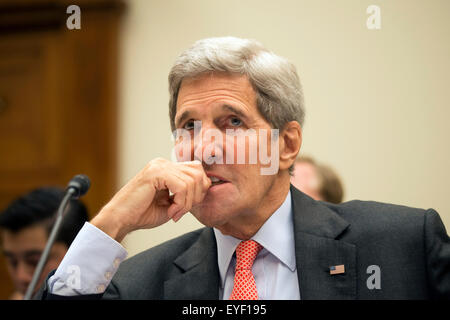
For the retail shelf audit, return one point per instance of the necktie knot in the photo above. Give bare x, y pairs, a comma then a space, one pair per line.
246, 253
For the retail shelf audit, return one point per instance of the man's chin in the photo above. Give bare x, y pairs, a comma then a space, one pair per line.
217, 205
212, 215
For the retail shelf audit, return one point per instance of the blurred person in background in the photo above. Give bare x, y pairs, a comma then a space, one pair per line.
317, 180
25, 226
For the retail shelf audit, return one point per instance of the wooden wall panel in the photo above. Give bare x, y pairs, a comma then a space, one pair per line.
58, 110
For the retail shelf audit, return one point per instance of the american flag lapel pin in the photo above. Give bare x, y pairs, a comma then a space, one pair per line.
339, 269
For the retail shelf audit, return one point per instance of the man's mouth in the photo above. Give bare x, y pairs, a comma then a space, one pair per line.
216, 180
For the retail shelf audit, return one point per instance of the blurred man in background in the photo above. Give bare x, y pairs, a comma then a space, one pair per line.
318, 181
25, 226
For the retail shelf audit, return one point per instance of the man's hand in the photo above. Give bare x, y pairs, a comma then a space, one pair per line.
145, 201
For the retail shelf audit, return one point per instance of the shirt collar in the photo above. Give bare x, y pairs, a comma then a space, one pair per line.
276, 236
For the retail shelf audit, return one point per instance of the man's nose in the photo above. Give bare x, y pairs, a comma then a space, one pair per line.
208, 145
23, 273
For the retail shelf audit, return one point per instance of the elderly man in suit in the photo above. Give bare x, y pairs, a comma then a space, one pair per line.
263, 239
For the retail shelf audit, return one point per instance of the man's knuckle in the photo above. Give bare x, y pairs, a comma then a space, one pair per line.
198, 180
191, 181
184, 186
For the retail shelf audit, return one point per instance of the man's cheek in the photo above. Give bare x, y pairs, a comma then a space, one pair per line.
241, 147
182, 151
269, 152
183, 155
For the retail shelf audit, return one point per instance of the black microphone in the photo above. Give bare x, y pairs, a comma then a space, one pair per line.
80, 183
76, 188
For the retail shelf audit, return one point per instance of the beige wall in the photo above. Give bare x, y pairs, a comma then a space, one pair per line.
376, 100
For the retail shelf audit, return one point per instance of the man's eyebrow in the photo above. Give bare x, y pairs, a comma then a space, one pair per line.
181, 118
32, 253
23, 254
234, 110
7, 253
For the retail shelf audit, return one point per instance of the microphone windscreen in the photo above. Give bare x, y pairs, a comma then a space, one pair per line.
81, 184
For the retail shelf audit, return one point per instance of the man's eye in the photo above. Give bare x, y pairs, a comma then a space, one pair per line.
189, 125
32, 262
12, 262
235, 122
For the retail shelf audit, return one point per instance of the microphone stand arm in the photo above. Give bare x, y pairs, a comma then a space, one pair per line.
51, 239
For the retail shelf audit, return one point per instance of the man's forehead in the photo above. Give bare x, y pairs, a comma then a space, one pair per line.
24, 253
30, 236
213, 84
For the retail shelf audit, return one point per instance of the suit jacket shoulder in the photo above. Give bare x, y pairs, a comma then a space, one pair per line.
410, 246
375, 219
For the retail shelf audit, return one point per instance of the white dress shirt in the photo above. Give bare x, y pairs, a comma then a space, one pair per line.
94, 257
274, 268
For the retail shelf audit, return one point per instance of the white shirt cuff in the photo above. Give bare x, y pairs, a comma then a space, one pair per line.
89, 265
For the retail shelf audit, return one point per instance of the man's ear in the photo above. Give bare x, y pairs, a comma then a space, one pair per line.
290, 142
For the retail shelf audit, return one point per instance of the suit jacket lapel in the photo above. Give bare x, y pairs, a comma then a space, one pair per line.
316, 228
196, 273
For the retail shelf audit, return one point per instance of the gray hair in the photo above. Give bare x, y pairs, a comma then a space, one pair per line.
279, 94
